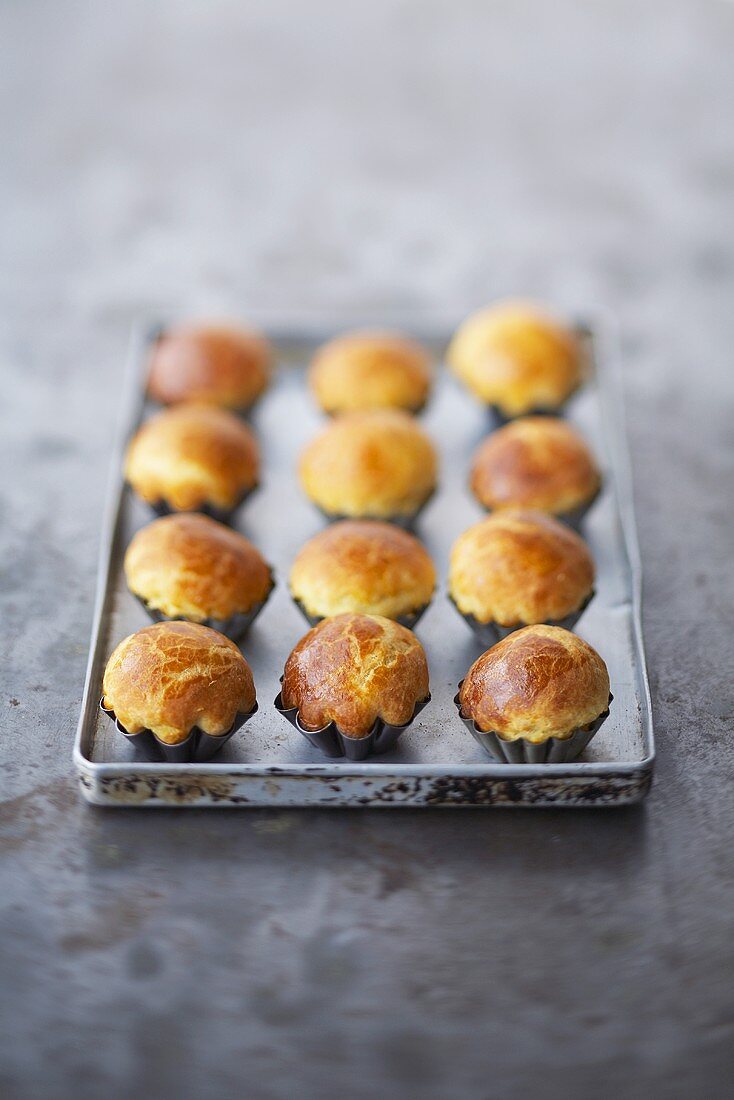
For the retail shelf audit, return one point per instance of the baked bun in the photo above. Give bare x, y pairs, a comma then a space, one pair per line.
363, 566
354, 669
520, 567
537, 462
193, 456
170, 677
216, 364
517, 358
370, 370
378, 464
191, 567
538, 683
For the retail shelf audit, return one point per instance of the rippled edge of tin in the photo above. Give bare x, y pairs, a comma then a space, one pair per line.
235, 627
554, 750
409, 620
222, 515
407, 522
333, 743
416, 410
198, 746
492, 632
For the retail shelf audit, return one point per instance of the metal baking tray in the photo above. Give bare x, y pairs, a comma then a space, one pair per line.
436, 762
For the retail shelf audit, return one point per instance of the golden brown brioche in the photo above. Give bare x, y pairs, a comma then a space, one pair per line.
540, 682
217, 364
354, 669
370, 464
170, 677
536, 462
516, 357
520, 567
192, 567
370, 370
191, 456
363, 566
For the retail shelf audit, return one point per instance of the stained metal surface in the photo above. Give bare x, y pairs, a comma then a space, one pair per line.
270, 764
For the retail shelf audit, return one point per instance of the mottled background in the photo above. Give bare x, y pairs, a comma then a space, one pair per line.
281, 161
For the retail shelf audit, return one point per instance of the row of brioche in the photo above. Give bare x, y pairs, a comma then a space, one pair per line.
352, 670
380, 465
512, 355
513, 568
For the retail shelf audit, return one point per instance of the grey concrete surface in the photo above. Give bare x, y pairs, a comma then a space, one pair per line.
283, 160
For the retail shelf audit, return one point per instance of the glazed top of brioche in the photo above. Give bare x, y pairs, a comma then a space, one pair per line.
189, 565
378, 464
539, 682
170, 677
516, 356
363, 565
220, 364
354, 669
193, 455
520, 567
370, 370
536, 462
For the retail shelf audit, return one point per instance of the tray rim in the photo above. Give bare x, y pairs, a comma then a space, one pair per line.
602, 329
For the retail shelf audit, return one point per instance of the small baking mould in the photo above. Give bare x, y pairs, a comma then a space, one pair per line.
333, 743
409, 620
234, 628
197, 747
491, 633
223, 515
406, 522
555, 750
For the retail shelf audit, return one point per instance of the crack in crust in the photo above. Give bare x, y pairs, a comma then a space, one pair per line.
170, 677
354, 669
540, 682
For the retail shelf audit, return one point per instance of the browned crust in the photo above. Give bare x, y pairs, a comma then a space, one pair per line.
354, 669
520, 567
537, 683
192, 566
371, 370
370, 464
516, 356
363, 566
193, 455
217, 364
538, 462
170, 677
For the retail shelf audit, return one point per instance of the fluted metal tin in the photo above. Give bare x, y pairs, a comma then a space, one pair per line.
491, 633
410, 620
498, 419
235, 627
222, 515
555, 750
334, 413
406, 522
198, 746
332, 742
